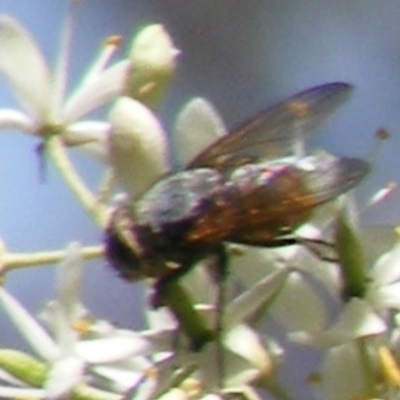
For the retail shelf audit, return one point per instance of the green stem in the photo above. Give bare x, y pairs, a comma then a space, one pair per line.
60, 158
12, 261
34, 373
84, 392
368, 369
351, 259
106, 186
180, 303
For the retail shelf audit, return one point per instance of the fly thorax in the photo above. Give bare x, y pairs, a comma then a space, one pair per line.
171, 205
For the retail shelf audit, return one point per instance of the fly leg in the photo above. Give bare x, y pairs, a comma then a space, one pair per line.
169, 292
219, 271
320, 248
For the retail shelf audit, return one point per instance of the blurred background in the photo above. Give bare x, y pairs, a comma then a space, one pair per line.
242, 56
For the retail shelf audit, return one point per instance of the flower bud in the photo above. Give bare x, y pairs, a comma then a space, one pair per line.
137, 146
152, 65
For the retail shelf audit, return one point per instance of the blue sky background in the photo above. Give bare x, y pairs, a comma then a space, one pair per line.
241, 55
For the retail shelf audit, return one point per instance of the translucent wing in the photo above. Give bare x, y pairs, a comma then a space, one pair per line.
275, 131
291, 197
263, 202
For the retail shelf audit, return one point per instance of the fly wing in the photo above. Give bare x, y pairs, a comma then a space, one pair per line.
275, 131
327, 177
280, 207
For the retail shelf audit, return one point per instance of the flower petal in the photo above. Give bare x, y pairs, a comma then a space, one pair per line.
244, 342
94, 93
258, 296
69, 281
251, 264
122, 379
33, 333
384, 297
298, 308
138, 146
376, 241
90, 136
7, 392
238, 369
112, 349
13, 119
64, 376
23, 64
387, 268
343, 374
174, 394
153, 59
197, 126
357, 320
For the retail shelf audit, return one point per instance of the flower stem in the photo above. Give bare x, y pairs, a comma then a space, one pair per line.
60, 158
34, 373
368, 369
106, 186
20, 260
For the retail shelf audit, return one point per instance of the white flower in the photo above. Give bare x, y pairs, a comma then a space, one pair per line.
383, 291
298, 307
343, 374
137, 146
133, 132
42, 93
364, 323
197, 126
72, 355
369, 314
153, 60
